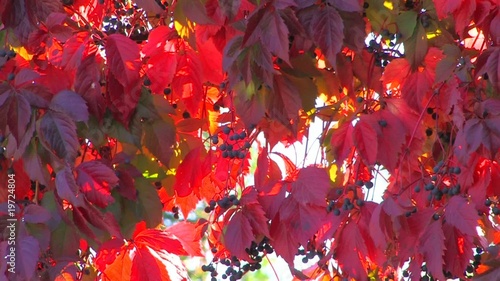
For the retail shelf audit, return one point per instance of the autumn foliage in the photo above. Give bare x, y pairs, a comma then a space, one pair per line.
117, 115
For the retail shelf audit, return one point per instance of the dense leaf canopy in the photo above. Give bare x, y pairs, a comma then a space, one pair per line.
120, 120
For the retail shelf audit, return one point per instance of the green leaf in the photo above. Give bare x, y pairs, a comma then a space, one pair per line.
159, 138
149, 203
407, 21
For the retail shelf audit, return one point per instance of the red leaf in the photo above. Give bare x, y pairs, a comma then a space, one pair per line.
58, 132
238, 235
108, 252
311, 186
96, 181
365, 139
342, 141
416, 87
302, 222
159, 240
458, 251
396, 72
256, 216
352, 252
267, 172
274, 34
123, 59
187, 178
283, 241
70, 103
250, 110
161, 69
24, 76
327, 28
431, 245
187, 82
189, 235
462, 215
73, 51
158, 41
87, 85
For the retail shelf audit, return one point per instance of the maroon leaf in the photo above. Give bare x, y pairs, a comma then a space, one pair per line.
87, 85
238, 235
432, 247
311, 186
18, 112
70, 103
462, 215
257, 219
327, 28
36, 214
230, 7
346, 5
28, 250
66, 187
58, 132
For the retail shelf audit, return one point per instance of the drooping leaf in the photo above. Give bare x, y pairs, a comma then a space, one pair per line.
238, 235
188, 179
66, 187
327, 28
351, 252
28, 250
123, 59
432, 247
58, 131
365, 139
87, 82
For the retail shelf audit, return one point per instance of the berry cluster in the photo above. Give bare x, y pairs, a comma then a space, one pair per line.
236, 268
121, 22
225, 203
234, 145
434, 185
175, 211
495, 210
309, 253
8, 54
